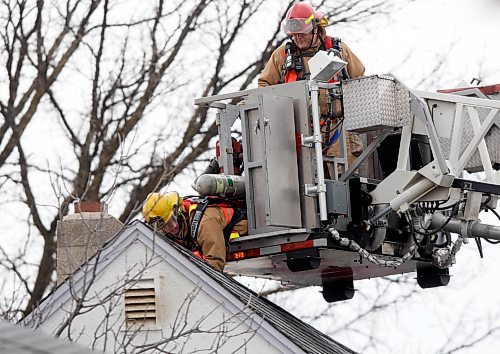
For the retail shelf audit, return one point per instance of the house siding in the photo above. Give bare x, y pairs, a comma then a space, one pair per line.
181, 306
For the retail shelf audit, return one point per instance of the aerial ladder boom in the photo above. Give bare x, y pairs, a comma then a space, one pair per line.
407, 203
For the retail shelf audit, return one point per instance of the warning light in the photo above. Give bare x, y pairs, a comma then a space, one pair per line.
237, 255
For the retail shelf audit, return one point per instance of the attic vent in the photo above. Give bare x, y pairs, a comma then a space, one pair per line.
140, 304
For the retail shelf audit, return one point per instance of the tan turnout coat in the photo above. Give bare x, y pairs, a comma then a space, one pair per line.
271, 75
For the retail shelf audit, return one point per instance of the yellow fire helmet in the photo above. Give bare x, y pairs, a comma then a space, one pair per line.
161, 205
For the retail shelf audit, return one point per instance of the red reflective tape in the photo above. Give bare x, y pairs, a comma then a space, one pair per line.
298, 142
297, 246
228, 214
253, 252
487, 90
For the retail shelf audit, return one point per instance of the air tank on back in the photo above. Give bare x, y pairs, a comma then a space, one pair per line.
219, 185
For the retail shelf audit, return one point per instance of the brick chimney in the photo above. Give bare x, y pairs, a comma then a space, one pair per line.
82, 234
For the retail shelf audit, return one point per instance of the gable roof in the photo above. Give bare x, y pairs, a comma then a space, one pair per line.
16, 339
276, 325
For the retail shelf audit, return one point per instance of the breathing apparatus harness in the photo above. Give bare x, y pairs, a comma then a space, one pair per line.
294, 62
201, 205
294, 58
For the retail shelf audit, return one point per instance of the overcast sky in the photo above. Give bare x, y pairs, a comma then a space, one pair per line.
428, 28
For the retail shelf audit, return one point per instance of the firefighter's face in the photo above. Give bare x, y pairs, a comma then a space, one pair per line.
171, 227
303, 40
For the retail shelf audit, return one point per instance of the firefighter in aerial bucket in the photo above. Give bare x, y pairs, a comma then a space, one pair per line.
202, 225
289, 63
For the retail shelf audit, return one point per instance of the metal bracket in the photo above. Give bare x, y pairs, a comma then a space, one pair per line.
311, 190
432, 172
380, 223
473, 205
306, 140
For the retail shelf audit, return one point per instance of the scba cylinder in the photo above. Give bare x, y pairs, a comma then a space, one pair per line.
220, 185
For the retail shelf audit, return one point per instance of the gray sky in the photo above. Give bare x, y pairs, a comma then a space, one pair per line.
426, 29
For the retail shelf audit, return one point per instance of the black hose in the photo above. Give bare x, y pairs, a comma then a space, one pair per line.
413, 231
432, 232
493, 242
486, 206
446, 243
479, 246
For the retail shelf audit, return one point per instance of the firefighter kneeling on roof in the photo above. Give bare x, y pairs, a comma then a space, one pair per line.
202, 225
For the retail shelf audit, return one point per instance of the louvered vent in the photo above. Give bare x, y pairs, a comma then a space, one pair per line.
140, 304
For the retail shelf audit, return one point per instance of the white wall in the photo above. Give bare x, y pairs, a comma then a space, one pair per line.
181, 307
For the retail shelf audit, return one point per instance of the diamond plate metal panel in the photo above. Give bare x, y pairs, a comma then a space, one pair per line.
375, 102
